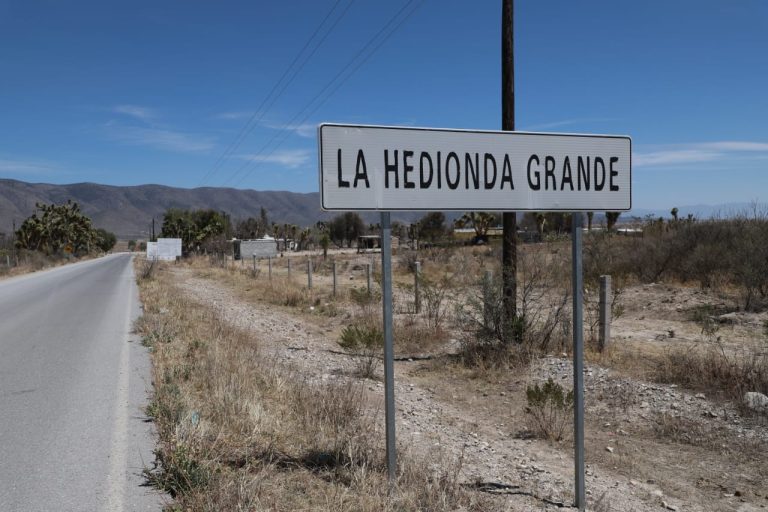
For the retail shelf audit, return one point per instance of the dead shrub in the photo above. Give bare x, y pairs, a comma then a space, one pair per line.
238, 431
434, 297
540, 326
715, 369
412, 336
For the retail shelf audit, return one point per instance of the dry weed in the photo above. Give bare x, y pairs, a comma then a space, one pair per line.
239, 431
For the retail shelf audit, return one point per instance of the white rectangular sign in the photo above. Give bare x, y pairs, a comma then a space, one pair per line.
402, 168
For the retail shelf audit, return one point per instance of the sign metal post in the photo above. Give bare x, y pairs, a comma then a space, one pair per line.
389, 357
578, 359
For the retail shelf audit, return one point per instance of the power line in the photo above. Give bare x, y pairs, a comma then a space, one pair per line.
284, 131
263, 108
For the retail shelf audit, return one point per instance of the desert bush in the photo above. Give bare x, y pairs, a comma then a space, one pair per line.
366, 340
413, 336
147, 269
541, 324
712, 253
715, 369
434, 295
241, 431
549, 409
364, 300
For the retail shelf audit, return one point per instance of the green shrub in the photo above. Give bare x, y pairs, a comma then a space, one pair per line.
549, 409
366, 342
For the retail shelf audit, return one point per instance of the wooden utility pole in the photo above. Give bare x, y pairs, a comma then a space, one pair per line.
509, 240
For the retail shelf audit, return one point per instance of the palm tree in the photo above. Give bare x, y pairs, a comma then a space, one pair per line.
611, 218
541, 219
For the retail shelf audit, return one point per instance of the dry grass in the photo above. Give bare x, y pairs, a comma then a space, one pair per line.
241, 431
714, 369
33, 261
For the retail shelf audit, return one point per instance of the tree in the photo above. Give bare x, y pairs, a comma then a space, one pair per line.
304, 238
345, 228
194, 227
611, 218
398, 229
432, 226
559, 222
674, 213
248, 228
325, 242
131, 245
105, 240
541, 220
263, 222
55, 229
481, 222
589, 220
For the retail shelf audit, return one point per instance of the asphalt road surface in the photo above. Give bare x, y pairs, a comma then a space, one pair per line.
73, 385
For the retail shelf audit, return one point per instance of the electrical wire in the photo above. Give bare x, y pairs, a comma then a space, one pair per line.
274, 93
286, 129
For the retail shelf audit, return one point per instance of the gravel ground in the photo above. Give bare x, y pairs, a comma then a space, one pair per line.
539, 474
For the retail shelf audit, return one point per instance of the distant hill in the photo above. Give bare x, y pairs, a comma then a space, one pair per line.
128, 211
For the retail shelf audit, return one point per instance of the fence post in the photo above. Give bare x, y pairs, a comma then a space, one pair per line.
254, 265
289, 267
604, 338
269, 262
334, 278
416, 290
309, 273
7, 261
487, 299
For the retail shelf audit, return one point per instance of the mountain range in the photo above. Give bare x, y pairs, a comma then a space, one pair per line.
128, 211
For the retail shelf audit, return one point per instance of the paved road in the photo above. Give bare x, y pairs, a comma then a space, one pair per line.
73, 385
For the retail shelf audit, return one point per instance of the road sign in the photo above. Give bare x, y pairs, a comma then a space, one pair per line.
389, 168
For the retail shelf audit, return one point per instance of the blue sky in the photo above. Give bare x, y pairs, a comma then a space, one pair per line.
140, 92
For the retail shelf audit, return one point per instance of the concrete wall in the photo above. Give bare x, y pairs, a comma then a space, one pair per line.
264, 248
151, 250
165, 249
168, 248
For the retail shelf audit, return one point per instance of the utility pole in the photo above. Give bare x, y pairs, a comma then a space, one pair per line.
509, 237
153, 230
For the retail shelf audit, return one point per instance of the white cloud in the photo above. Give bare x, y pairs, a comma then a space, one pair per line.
166, 140
307, 130
142, 113
681, 154
290, 158
566, 122
230, 116
26, 167
735, 146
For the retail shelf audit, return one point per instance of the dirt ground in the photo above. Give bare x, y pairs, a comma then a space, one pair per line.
648, 446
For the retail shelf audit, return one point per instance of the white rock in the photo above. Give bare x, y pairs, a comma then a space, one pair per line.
756, 401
